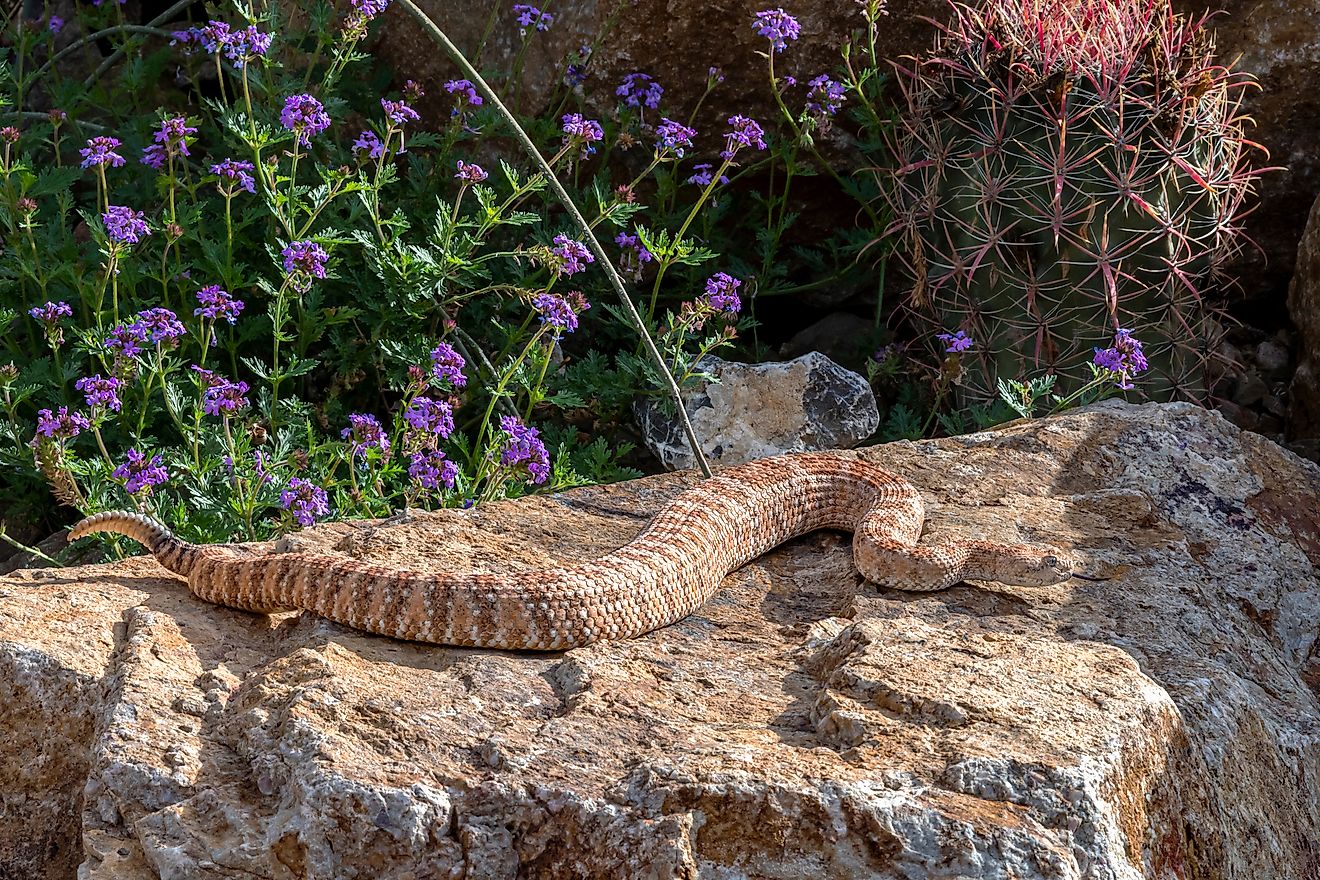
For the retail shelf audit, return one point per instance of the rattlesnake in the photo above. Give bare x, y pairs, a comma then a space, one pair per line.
668, 571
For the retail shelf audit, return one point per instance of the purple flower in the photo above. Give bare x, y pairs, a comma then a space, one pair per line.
125, 341
123, 225
217, 303
101, 393
470, 173
430, 469
431, 416
248, 43
62, 425
234, 171
702, 173
222, 397
530, 16
399, 112
557, 312
140, 473
522, 446
51, 312
56, 24
638, 89
305, 500
304, 115
580, 130
674, 137
159, 325
777, 26
171, 139
634, 243
367, 433
370, 8
465, 95
304, 260
722, 293
825, 97
743, 132
100, 150
573, 255
955, 342
1124, 359
447, 365
369, 142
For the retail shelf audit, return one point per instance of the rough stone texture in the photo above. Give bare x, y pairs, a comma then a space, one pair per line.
842, 337
1161, 724
1278, 42
1304, 306
758, 410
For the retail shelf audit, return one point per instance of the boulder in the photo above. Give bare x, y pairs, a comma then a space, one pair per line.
758, 410
1162, 723
843, 337
1304, 307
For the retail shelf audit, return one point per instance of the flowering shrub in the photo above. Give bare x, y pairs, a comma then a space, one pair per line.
234, 307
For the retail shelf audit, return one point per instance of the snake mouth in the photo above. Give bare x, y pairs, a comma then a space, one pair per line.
1091, 577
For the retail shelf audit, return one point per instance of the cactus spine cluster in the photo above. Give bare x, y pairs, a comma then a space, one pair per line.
1066, 168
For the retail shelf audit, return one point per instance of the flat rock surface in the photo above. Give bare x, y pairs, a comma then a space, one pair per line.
1164, 723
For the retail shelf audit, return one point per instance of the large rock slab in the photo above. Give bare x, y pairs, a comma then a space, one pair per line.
1161, 724
1304, 307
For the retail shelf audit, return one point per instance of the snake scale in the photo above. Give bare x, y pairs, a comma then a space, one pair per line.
664, 574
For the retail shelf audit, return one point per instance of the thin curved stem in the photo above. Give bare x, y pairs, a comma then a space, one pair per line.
615, 281
91, 38
119, 53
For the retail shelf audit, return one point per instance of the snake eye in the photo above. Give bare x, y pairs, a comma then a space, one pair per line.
1051, 561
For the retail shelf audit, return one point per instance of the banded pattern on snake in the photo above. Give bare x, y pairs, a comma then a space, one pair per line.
664, 574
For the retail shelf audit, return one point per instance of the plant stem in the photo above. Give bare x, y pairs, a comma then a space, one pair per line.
615, 281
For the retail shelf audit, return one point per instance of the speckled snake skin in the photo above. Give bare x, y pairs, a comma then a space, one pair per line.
664, 574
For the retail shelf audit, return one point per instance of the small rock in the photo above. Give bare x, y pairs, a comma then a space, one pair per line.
1272, 358
842, 337
1251, 389
758, 410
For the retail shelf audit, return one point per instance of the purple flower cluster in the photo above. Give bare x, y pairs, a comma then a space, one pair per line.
158, 325
398, 112
826, 96
743, 132
61, 425
101, 393
123, 225
585, 132
51, 312
430, 416
777, 26
447, 365
369, 143
523, 447
55, 24
100, 150
238, 45
216, 303
235, 172
222, 397
633, 248
573, 255
639, 89
674, 137
955, 342
367, 433
140, 473
702, 174
722, 293
370, 8
530, 16
305, 500
470, 173
430, 469
171, 139
304, 260
125, 341
558, 312
305, 116
465, 95
1124, 359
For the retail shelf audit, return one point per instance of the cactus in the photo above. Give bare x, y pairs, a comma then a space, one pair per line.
1066, 168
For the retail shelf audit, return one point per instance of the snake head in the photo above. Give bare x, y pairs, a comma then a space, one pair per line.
1030, 565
